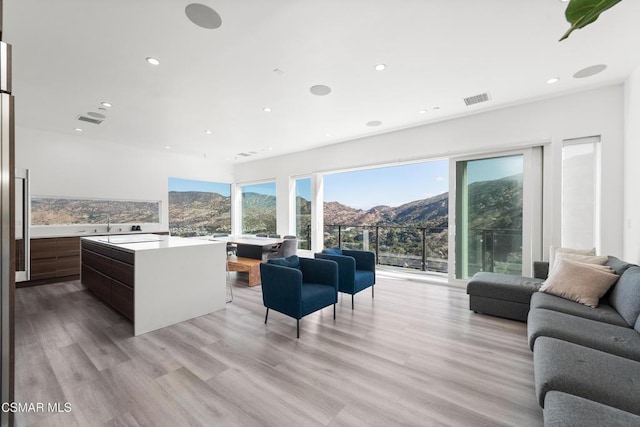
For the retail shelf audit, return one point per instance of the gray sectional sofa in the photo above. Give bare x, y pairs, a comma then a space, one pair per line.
587, 360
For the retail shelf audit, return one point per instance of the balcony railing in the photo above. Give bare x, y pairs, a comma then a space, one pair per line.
427, 248
419, 248
495, 250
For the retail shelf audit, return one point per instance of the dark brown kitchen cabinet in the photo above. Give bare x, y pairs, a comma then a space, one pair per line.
55, 257
109, 274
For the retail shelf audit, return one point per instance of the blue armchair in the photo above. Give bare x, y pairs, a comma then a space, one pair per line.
356, 269
298, 286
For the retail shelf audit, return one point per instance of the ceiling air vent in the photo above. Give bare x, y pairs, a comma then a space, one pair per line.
89, 120
247, 153
483, 97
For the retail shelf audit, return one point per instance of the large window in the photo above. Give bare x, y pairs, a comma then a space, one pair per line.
580, 192
199, 208
50, 210
399, 212
303, 212
259, 208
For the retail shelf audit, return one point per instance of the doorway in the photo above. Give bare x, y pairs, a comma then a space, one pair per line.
497, 211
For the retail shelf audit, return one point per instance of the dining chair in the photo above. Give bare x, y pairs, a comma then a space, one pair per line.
285, 249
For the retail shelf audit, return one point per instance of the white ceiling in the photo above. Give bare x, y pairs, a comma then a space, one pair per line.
69, 55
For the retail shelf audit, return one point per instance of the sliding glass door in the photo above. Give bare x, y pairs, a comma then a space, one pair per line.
497, 213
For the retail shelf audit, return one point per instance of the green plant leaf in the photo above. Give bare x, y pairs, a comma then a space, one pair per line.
581, 13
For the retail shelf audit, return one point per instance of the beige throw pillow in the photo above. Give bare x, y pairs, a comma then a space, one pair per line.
553, 250
585, 259
579, 282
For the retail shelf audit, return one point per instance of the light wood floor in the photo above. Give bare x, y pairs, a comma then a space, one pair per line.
414, 355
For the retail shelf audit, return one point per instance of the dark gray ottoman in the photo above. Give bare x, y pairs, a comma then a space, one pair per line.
502, 295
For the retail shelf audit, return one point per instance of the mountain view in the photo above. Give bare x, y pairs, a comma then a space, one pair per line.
494, 205
198, 213
258, 213
495, 211
64, 211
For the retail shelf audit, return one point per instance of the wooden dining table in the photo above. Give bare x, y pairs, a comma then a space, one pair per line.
250, 253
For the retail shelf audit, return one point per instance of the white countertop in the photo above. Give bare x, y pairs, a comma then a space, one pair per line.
38, 233
145, 242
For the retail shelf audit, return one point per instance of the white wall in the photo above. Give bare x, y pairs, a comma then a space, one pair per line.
595, 112
632, 169
76, 166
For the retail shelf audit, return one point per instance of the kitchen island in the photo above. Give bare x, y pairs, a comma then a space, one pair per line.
155, 281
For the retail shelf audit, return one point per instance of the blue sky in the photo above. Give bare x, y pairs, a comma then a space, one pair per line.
396, 185
494, 168
268, 188
179, 184
303, 188
364, 189
391, 186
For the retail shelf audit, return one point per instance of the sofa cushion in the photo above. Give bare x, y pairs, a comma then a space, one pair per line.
580, 282
291, 261
316, 296
618, 265
363, 279
332, 251
587, 259
554, 250
603, 313
503, 286
625, 296
566, 410
619, 340
637, 326
585, 372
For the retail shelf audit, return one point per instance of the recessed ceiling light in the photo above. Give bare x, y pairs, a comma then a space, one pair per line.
327, 134
203, 16
553, 80
78, 130
266, 109
107, 104
374, 123
167, 147
380, 67
208, 132
590, 71
320, 90
153, 61
422, 111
